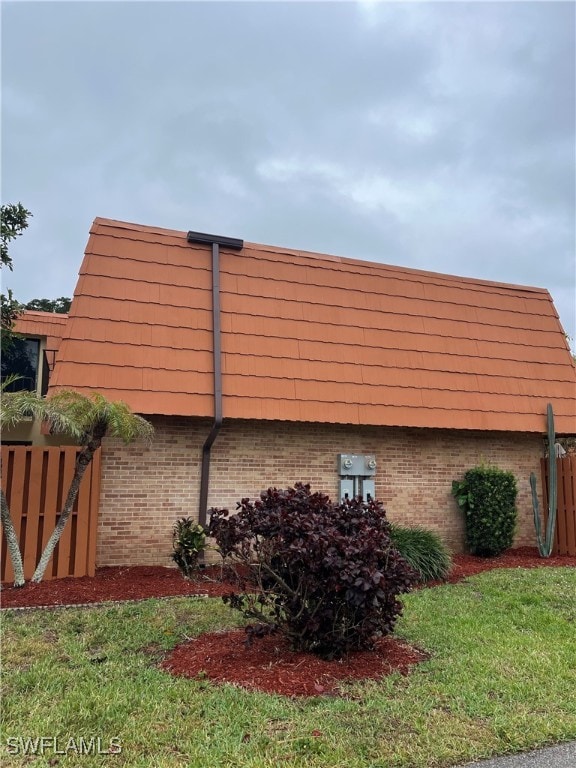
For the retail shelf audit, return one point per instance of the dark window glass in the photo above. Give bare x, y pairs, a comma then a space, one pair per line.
21, 359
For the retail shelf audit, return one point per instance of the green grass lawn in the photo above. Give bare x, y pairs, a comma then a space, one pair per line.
501, 678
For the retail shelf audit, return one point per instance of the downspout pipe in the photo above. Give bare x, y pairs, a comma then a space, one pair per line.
228, 242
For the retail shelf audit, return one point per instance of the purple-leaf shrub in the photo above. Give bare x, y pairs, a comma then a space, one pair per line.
324, 574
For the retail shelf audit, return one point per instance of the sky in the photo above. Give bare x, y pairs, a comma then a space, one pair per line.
433, 135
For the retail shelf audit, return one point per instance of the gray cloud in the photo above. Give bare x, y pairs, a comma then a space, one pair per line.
435, 135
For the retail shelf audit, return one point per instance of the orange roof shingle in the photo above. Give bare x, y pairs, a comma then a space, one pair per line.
310, 337
48, 324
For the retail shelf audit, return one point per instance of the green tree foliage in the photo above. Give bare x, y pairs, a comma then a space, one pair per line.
60, 306
88, 419
10, 309
13, 221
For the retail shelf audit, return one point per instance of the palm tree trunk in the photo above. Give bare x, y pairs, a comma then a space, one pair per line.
12, 542
82, 462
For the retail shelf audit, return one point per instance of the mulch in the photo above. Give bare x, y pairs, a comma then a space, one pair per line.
269, 664
143, 581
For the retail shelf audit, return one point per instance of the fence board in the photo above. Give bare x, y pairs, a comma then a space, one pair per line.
15, 498
570, 505
61, 560
35, 460
35, 481
93, 519
561, 532
51, 499
565, 534
7, 467
15, 494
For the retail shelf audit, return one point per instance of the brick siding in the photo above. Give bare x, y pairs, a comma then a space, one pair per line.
145, 489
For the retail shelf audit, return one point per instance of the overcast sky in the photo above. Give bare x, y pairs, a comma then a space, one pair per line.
439, 136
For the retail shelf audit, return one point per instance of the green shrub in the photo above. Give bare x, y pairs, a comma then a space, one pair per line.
487, 496
188, 541
327, 575
424, 550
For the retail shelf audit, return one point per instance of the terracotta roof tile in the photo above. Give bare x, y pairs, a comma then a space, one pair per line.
40, 323
310, 337
48, 324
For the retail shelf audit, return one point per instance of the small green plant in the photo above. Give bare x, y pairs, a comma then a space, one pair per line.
424, 550
487, 496
188, 542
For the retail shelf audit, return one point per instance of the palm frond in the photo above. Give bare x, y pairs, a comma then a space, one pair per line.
75, 414
16, 407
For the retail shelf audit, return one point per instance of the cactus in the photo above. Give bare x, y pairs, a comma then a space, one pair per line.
545, 545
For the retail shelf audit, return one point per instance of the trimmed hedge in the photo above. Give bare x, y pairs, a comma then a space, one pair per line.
487, 496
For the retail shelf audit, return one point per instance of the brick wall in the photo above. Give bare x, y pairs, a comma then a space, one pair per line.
145, 489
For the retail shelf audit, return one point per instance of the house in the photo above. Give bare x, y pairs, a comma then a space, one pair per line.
31, 357
262, 366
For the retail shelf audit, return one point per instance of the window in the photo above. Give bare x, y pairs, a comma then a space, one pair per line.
21, 358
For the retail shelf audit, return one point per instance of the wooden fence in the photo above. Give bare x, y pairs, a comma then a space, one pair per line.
565, 536
36, 480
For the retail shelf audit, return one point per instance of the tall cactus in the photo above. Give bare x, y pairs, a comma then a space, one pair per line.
545, 545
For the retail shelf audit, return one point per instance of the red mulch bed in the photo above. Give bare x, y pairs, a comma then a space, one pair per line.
522, 557
135, 582
269, 665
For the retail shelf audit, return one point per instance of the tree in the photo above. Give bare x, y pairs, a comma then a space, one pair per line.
88, 419
13, 221
61, 305
10, 310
